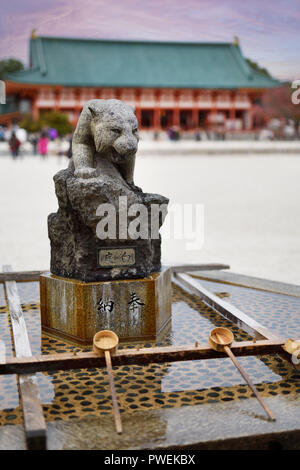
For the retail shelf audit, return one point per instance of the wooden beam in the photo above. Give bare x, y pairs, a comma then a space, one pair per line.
199, 267
241, 280
20, 276
20, 336
226, 309
157, 355
34, 422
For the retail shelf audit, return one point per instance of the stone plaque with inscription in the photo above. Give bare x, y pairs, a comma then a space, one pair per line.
116, 257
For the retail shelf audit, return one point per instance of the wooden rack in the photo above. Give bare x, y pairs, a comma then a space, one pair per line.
25, 365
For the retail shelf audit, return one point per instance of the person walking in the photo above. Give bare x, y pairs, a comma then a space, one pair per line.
14, 145
43, 145
34, 138
69, 151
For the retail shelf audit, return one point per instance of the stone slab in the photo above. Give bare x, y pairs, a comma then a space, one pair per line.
224, 426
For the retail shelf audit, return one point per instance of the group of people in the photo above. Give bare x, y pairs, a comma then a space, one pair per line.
40, 141
39, 144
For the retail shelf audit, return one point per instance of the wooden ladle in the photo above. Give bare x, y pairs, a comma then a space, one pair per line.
220, 339
105, 343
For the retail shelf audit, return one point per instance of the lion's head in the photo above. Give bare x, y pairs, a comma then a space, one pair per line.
114, 128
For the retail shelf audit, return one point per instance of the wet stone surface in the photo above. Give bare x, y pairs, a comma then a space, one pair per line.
84, 394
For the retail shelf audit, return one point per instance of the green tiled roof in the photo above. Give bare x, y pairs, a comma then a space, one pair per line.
106, 63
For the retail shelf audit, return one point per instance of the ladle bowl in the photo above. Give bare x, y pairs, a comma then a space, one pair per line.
220, 337
105, 340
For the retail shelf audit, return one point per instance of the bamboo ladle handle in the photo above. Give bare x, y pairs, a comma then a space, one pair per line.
117, 416
246, 378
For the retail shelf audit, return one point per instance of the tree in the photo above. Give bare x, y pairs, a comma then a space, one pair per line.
258, 68
30, 125
277, 103
260, 118
58, 121
51, 119
10, 66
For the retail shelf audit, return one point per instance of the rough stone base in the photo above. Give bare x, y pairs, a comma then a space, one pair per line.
76, 250
137, 309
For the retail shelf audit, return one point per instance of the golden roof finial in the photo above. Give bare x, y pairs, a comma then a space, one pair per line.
33, 34
235, 40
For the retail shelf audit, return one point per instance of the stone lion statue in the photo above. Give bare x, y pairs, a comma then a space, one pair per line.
106, 130
104, 146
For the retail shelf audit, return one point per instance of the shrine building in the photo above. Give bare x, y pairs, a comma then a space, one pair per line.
171, 84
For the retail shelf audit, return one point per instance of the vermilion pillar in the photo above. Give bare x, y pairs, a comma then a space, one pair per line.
157, 111
56, 100
77, 104
138, 113
196, 109
249, 121
35, 110
232, 108
195, 117
176, 117
156, 118
176, 113
213, 111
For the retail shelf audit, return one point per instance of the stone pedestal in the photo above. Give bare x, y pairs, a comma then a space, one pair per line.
137, 309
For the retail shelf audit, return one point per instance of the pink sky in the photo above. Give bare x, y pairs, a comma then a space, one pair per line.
269, 32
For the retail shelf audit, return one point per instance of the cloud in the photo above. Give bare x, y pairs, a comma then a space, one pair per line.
268, 31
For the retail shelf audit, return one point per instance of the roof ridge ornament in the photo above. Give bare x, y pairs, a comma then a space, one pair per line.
236, 41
